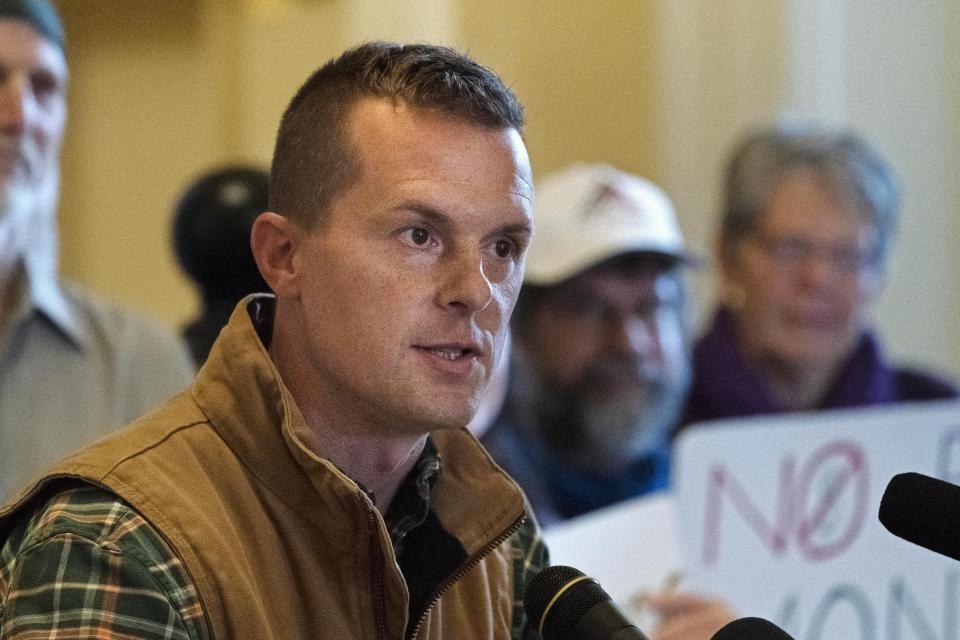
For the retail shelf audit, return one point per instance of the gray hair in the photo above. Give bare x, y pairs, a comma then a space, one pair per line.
844, 162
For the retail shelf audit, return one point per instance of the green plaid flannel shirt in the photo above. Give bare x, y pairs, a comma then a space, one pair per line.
89, 566
86, 565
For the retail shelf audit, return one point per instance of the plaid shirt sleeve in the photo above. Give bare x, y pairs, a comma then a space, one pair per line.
86, 565
530, 556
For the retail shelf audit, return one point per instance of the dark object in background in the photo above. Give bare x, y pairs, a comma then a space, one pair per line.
211, 238
924, 511
751, 629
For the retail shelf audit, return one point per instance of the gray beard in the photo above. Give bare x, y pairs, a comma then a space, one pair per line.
603, 433
618, 430
16, 204
16, 201
28, 228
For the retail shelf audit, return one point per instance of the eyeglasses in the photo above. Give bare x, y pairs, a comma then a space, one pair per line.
793, 251
596, 312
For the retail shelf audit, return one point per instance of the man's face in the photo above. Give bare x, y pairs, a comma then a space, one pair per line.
33, 78
408, 284
609, 346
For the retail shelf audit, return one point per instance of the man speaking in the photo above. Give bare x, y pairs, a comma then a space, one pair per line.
316, 480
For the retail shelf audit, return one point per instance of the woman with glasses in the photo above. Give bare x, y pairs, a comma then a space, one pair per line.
808, 219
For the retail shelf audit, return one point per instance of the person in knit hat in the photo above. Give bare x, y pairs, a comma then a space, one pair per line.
211, 237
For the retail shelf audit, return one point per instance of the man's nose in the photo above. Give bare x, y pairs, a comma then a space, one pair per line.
819, 270
14, 104
465, 286
633, 334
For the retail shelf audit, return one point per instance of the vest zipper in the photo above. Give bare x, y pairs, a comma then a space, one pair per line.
376, 571
471, 563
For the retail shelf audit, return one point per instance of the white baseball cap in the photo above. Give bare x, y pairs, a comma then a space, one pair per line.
586, 214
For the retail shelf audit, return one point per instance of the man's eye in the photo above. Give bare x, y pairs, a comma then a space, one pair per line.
419, 236
44, 86
588, 309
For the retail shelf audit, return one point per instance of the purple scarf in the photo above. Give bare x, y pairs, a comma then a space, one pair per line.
725, 385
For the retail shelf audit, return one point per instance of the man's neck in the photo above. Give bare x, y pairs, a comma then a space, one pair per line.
368, 454
380, 466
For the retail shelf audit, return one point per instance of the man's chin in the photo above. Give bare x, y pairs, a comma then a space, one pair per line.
17, 200
624, 427
620, 395
452, 416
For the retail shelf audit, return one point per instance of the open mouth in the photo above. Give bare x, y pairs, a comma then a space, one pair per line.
455, 352
448, 353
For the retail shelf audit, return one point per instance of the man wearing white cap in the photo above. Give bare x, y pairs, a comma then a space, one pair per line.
600, 363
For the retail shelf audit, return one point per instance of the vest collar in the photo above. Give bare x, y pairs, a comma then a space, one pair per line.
240, 391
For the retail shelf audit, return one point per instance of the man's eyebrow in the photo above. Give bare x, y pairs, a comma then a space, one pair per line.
439, 218
430, 213
517, 228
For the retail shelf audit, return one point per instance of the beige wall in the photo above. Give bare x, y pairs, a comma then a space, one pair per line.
584, 70
147, 111
160, 95
163, 90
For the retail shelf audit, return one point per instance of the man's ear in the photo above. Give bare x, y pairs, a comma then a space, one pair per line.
273, 240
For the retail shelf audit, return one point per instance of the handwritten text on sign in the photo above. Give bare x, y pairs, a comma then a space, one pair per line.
779, 516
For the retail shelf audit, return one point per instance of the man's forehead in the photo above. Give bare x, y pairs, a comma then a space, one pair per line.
408, 138
41, 15
22, 44
365, 114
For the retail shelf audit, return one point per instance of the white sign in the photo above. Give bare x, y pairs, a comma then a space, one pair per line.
629, 548
778, 515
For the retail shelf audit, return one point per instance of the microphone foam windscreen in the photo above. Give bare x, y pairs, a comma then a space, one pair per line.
576, 601
751, 629
924, 511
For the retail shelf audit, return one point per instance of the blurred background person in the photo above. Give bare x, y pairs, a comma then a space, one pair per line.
71, 365
808, 219
211, 237
599, 360
600, 365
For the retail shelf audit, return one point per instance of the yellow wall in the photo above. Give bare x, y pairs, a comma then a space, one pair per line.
146, 113
163, 90
585, 72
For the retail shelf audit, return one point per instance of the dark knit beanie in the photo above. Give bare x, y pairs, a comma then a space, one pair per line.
39, 14
211, 231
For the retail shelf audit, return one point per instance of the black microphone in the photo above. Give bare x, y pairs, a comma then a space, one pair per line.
751, 629
924, 511
565, 604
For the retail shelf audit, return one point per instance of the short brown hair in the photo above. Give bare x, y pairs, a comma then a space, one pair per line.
313, 159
